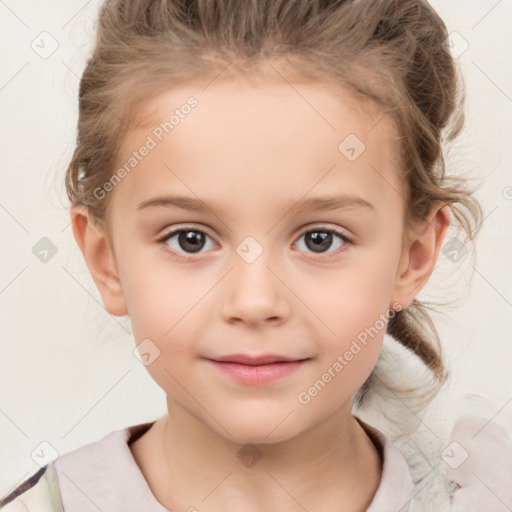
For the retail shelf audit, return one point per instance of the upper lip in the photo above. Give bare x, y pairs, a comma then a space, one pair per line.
254, 360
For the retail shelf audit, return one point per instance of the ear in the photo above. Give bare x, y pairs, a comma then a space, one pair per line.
419, 258
100, 260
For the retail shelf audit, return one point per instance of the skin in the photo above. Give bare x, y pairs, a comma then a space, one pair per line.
256, 151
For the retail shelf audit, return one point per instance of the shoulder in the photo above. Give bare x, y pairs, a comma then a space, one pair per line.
461, 457
38, 493
478, 459
50, 488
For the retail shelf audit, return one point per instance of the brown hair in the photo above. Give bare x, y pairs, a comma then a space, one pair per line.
388, 51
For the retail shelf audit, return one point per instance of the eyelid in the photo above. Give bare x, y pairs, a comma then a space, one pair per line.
326, 256
345, 234
167, 233
300, 231
340, 232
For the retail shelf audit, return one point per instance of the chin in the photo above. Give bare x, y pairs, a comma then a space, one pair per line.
260, 429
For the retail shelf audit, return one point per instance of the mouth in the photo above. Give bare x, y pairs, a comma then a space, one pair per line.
255, 360
258, 370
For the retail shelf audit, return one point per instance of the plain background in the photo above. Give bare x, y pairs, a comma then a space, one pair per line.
68, 374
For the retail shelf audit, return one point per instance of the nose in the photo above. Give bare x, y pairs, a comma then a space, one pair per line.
254, 294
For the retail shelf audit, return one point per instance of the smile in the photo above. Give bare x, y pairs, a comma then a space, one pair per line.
257, 370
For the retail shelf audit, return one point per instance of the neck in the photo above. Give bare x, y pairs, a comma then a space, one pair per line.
332, 466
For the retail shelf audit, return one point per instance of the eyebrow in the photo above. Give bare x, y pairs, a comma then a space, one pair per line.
306, 205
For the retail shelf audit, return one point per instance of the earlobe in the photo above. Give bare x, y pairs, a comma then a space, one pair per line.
99, 259
421, 256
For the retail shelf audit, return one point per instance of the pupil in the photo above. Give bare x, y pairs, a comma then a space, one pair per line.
321, 240
191, 241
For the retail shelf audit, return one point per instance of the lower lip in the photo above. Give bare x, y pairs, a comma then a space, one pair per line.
258, 374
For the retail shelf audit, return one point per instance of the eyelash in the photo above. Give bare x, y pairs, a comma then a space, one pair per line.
327, 256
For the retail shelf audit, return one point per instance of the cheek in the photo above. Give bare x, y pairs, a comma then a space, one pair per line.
160, 297
351, 300
351, 310
168, 307
348, 351
166, 310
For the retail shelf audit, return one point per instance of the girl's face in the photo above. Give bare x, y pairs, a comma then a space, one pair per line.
286, 239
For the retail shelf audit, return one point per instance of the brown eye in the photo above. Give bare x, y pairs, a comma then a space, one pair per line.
189, 241
320, 240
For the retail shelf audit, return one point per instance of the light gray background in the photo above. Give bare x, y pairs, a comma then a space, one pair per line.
67, 372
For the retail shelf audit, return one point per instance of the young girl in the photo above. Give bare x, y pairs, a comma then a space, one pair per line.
260, 186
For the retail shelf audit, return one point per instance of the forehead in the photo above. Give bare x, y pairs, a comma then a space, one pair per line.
248, 137
217, 95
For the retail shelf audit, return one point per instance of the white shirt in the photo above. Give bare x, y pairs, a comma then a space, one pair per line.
104, 476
